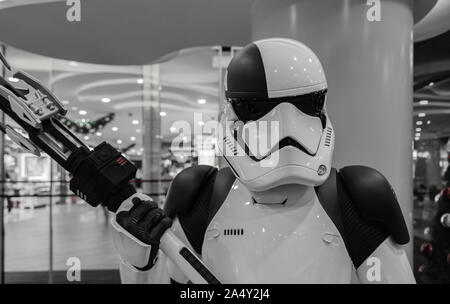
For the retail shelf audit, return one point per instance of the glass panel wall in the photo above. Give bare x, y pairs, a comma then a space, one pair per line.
137, 109
27, 191
431, 175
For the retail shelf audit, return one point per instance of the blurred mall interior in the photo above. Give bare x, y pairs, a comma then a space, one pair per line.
136, 73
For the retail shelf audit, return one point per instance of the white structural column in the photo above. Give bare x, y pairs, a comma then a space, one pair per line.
369, 65
151, 132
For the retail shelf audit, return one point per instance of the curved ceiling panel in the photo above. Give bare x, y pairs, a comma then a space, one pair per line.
434, 22
127, 32
422, 8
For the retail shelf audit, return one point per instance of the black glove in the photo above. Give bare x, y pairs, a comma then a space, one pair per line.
147, 223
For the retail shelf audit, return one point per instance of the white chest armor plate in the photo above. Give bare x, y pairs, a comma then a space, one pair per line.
278, 243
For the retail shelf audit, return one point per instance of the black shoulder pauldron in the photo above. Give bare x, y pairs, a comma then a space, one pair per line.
364, 208
375, 199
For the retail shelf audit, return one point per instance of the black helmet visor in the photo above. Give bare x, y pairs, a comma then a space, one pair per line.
253, 109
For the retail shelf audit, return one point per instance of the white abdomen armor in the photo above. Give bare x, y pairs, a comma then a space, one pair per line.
294, 242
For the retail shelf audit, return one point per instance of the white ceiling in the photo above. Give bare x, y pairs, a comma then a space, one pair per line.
123, 32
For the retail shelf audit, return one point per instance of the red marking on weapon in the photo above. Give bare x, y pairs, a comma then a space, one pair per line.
121, 161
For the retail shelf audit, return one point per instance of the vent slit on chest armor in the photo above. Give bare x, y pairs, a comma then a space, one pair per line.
233, 231
328, 134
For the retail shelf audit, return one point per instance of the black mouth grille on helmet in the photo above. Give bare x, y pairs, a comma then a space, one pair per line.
251, 109
287, 141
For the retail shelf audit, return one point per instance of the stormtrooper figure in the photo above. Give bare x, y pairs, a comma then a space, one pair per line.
279, 212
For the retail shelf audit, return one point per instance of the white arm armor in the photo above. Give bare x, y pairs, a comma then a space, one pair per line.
388, 264
135, 254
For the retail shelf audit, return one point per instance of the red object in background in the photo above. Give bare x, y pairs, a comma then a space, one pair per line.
446, 193
421, 268
426, 249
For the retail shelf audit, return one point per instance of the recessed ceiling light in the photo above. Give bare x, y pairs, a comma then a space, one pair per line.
201, 123
423, 102
428, 122
163, 114
417, 134
140, 81
106, 99
83, 120
419, 123
98, 133
422, 115
133, 138
74, 108
82, 112
418, 129
86, 137
73, 63
115, 129
138, 130
201, 101
119, 141
417, 138
135, 122
13, 79
431, 84
173, 129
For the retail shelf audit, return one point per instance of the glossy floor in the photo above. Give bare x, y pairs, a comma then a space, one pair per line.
78, 231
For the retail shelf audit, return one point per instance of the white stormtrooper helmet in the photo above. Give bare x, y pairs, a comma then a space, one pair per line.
276, 129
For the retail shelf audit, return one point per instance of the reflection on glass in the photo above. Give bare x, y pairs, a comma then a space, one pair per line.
431, 200
46, 227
